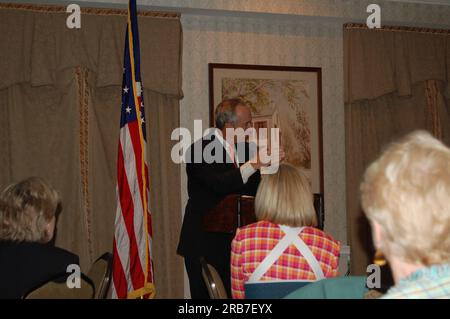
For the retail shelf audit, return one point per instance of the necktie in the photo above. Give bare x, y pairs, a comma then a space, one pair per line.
233, 157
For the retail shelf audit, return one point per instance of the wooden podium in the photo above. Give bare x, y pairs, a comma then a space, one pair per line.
239, 210
233, 211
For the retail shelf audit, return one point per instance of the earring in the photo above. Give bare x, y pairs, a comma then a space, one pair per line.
379, 258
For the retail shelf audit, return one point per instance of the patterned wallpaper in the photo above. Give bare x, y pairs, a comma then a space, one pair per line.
274, 42
260, 41
272, 37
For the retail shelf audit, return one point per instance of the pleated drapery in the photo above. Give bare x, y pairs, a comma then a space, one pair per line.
396, 81
60, 96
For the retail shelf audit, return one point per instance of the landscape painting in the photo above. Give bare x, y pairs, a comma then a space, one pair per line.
288, 98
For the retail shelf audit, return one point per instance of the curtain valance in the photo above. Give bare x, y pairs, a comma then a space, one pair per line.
378, 62
44, 47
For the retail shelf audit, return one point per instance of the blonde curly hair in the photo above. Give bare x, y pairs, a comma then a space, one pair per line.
26, 209
407, 192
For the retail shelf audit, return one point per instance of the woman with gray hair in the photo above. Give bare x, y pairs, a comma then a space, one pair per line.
28, 212
406, 196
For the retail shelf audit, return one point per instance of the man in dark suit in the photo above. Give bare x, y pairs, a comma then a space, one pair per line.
210, 181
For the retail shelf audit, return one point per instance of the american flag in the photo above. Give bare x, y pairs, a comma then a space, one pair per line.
132, 262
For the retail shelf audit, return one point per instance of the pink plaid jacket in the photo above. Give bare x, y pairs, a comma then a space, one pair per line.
253, 242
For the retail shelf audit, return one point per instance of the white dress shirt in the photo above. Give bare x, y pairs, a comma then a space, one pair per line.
247, 169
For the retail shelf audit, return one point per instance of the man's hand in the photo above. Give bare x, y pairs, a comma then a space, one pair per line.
257, 163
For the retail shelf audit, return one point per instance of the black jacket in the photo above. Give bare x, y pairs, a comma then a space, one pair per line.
208, 184
25, 265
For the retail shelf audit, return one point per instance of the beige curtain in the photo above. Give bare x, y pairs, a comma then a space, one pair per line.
162, 113
396, 81
60, 94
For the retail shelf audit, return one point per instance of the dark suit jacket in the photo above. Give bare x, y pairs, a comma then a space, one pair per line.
25, 265
208, 184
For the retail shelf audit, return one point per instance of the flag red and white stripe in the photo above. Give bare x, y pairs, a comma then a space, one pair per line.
132, 262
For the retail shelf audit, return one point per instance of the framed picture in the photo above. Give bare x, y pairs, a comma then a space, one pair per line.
288, 98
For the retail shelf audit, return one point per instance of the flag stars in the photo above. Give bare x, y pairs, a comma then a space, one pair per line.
125, 89
128, 109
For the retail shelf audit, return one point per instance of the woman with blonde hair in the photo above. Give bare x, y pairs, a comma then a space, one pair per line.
406, 196
283, 245
28, 212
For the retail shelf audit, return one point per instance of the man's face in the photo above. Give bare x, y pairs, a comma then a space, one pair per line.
244, 116
244, 121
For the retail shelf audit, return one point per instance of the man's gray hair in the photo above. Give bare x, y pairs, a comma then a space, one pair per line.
226, 112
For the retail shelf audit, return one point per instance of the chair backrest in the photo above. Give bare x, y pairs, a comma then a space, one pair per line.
320, 211
272, 289
345, 287
57, 288
100, 274
214, 283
